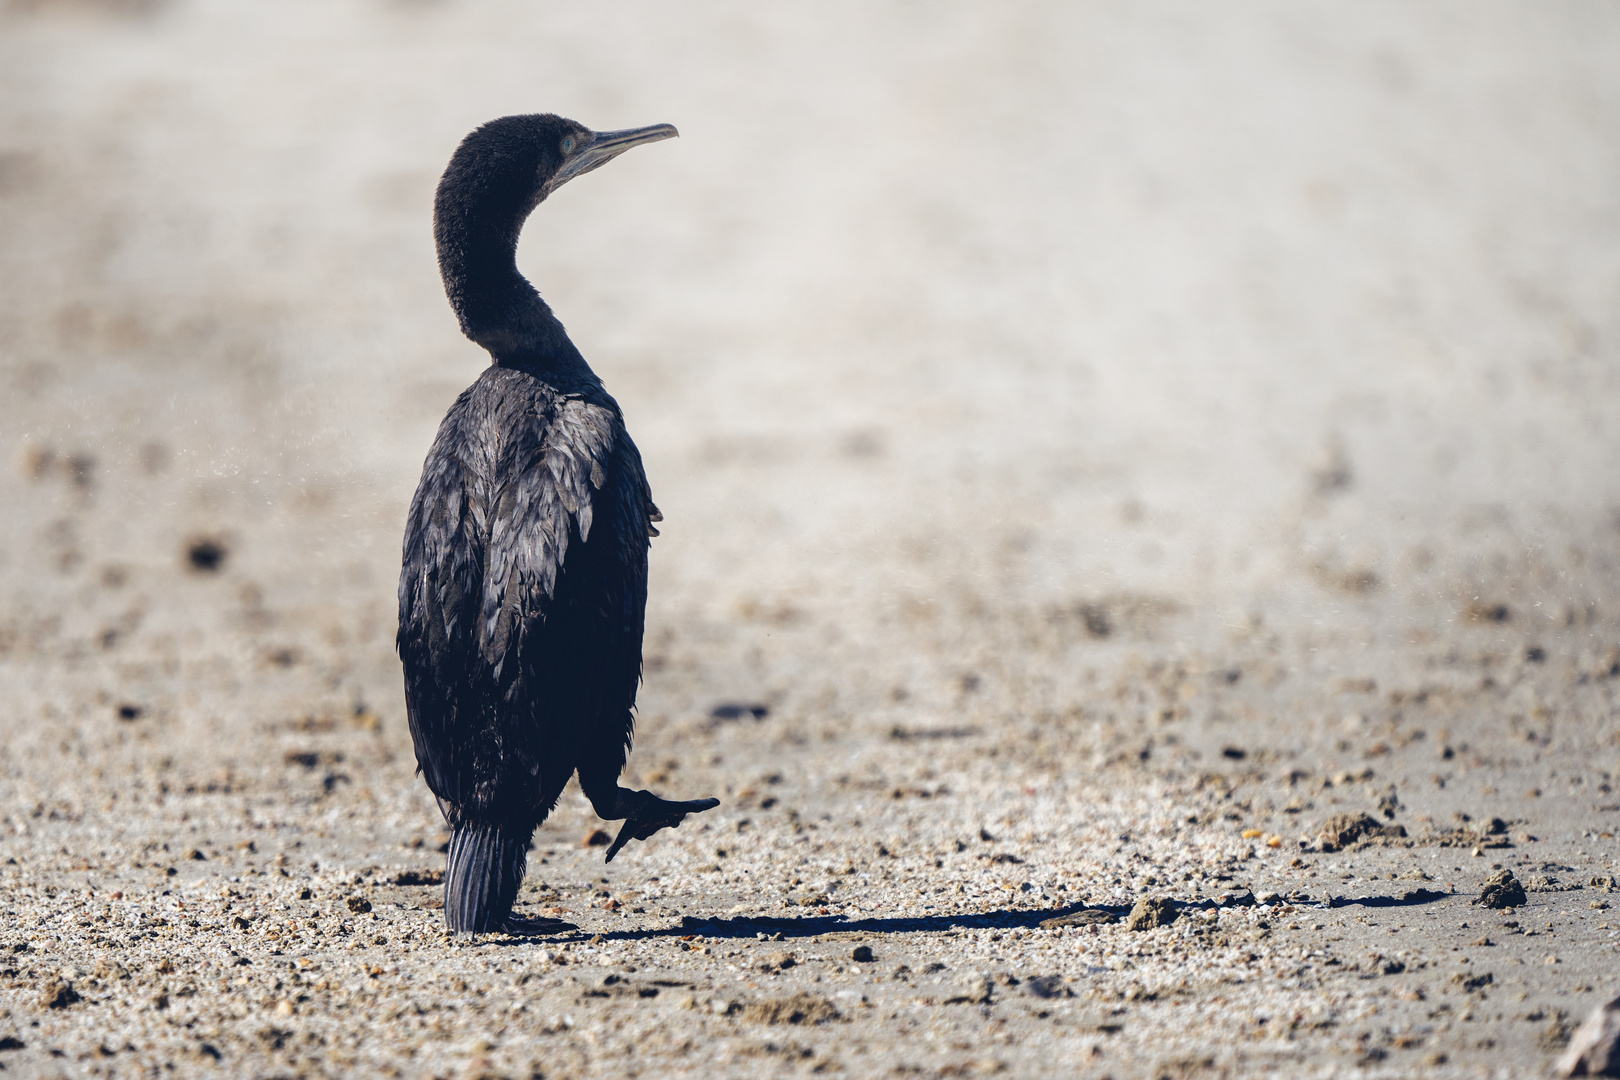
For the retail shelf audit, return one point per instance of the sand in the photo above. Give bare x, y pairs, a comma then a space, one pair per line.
1099, 446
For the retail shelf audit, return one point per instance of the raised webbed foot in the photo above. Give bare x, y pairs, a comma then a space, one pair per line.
649, 813
523, 926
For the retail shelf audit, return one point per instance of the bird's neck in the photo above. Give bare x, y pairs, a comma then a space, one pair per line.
496, 305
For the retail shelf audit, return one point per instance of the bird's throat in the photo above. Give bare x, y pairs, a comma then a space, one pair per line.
496, 305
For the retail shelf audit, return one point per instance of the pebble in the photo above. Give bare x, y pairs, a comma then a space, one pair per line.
1152, 912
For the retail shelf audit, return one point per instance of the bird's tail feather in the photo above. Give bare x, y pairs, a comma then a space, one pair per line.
483, 876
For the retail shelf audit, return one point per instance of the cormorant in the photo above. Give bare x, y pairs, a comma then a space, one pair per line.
524, 586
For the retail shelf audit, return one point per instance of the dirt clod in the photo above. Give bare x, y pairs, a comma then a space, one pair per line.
1341, 830
58, 994
1502, 890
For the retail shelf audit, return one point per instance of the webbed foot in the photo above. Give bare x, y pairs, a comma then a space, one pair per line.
649, 813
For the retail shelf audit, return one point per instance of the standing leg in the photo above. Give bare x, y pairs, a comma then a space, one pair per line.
526, 925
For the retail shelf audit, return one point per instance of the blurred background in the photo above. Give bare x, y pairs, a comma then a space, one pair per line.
1282, 316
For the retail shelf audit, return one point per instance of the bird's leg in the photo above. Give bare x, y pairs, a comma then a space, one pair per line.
643, 812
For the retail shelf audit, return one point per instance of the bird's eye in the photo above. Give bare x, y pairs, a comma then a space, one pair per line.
568, 145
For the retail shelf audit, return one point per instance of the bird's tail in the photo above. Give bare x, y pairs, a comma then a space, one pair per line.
483, 876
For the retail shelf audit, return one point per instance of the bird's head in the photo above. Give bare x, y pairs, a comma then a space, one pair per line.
505, 168
497, 176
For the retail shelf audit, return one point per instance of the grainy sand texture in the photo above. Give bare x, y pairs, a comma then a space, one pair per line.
1140, 554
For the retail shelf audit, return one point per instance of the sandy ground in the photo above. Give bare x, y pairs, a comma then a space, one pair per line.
1099, 444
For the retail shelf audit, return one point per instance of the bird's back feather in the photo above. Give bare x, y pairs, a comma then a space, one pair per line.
522, 591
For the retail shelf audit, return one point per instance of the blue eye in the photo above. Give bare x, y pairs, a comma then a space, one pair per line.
568, 145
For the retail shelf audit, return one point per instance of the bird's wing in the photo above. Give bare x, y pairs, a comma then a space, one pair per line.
440, 584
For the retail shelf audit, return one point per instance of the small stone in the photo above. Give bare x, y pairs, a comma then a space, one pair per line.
359, 905
596, 838
1483, 942
719, 1007
284, 1008
1594, 1049
862, 954
1502, 890
1152, 912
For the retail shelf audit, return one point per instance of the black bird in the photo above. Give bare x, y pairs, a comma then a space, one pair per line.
524, 586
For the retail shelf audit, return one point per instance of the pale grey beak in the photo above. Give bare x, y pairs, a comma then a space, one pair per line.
603, 146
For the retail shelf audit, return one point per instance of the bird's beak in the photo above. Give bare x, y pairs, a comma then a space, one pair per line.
603, 147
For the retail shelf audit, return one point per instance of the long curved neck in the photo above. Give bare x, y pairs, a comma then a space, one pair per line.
496, 305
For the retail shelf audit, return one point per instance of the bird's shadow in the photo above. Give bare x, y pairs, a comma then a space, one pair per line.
777, 928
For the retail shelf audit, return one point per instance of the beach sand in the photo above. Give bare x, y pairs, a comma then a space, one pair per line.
1107, 452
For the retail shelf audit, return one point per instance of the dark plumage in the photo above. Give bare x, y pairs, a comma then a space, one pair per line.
524, 583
